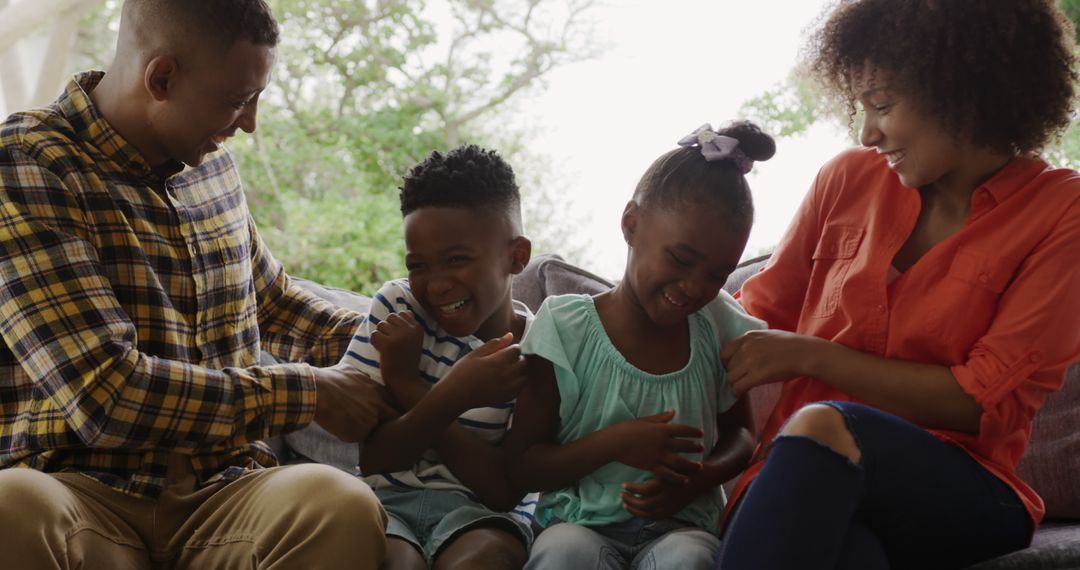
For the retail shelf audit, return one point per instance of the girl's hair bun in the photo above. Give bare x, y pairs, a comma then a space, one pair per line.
754, 143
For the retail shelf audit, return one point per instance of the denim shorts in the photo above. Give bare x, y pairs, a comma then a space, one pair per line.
429, 518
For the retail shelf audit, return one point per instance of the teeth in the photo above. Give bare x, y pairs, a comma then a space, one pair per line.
452, 307
893, 157
673, 301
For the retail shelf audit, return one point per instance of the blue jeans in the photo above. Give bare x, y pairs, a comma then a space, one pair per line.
912, 501
637, 544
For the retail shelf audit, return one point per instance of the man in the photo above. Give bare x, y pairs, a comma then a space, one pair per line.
136, 297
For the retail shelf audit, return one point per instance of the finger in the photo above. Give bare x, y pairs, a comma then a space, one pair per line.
685, 446
731, 348
681, 465
631, 502
636, 511
495, 345
683, 430
661, 418
644, 489
665, 473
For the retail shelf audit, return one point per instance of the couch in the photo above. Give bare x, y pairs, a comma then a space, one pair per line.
1051, 464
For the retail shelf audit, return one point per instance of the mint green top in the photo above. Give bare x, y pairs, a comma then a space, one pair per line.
599, 388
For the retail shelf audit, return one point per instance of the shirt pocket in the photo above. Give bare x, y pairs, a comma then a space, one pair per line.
832, 260
966, 300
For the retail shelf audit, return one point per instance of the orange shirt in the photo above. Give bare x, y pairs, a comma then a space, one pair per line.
997, 302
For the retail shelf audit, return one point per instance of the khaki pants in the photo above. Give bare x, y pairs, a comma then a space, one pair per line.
302, 516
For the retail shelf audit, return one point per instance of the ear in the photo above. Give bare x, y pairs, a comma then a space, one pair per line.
159, 76
630, 216
521, 253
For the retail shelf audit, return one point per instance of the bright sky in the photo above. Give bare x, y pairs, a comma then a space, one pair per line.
670, 67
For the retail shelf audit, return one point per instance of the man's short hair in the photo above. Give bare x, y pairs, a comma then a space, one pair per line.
223, 22
466, 177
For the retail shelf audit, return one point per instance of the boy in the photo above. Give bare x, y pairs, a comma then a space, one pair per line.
441, 341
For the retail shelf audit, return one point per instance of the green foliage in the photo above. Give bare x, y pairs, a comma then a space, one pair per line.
365, 89
787, 109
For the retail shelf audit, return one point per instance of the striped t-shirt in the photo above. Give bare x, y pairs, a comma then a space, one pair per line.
439, 352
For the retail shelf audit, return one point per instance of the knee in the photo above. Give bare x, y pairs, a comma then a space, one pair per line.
689, 549
31, 500
333, 497
826, 425
565, 545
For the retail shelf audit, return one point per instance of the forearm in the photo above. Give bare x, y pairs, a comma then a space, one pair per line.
480, 465
550, 466
397, 445
926, 394
728, 459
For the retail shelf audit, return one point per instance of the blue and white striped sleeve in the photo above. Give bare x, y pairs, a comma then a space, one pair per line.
392, 297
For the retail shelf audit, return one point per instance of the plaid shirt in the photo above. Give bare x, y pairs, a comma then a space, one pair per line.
134, 306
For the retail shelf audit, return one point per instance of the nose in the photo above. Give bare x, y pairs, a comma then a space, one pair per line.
693, 286
439, 283
870, 134
246, 121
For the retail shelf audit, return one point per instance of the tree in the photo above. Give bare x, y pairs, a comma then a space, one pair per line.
363, 90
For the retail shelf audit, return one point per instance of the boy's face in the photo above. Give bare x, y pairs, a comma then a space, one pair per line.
460, 266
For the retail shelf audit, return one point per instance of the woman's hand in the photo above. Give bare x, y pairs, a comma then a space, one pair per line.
767, 356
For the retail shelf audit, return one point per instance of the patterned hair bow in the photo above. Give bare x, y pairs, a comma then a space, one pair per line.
715, 146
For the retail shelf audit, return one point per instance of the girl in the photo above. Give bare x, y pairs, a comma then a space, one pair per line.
626, 390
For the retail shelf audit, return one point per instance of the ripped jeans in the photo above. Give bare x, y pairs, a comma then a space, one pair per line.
912, 501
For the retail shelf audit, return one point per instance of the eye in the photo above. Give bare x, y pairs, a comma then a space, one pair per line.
678, 260
414, 267
239, 105
457, 259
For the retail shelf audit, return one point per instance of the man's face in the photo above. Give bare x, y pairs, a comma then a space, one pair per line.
210, 99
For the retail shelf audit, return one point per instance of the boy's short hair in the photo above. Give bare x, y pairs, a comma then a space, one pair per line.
221, 22
466, 177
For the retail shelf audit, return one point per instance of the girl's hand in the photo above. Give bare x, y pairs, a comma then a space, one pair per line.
767, 356
398, 339
653, 444
656, 498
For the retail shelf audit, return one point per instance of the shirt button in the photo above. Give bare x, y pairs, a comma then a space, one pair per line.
983, 278
881, 308
1035, 358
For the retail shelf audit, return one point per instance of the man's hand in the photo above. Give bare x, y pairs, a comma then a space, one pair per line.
398, 339
653, 444
348, 403
490, 375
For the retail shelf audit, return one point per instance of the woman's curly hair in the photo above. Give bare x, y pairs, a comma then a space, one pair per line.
1001, 72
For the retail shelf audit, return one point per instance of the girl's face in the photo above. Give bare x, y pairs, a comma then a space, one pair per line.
679, 258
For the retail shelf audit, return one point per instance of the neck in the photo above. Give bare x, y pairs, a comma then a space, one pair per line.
124, 107
958, 186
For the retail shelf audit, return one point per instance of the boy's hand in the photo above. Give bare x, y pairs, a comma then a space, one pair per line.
656, 498
398, 339
490, 375
348, 403
653, 444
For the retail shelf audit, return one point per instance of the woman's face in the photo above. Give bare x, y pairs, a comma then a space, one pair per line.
916, 146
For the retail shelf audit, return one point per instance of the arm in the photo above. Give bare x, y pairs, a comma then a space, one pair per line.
926, 394
75, 342
538, 463
657, 498
295, 325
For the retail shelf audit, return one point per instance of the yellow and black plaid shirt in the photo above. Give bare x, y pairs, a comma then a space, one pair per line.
133, 309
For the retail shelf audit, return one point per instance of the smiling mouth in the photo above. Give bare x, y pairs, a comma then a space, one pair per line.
453, 307
674, 302
894, 157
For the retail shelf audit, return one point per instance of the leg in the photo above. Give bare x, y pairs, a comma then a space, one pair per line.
687, 548
566, 546
482, 549
402, 555
48, 523
917, 494
301, 516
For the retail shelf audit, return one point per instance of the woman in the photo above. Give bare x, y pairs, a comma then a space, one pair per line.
923, 302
